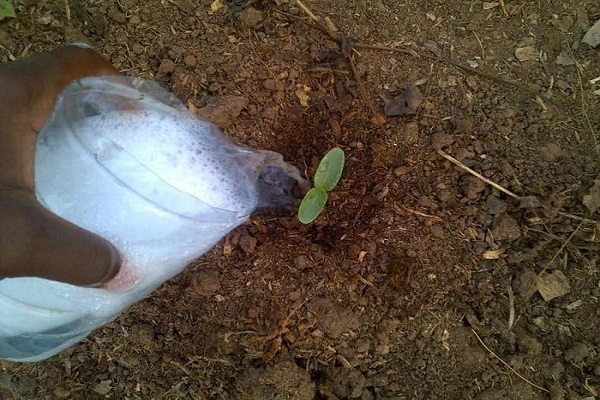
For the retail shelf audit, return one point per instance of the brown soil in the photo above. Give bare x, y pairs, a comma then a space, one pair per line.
387, 294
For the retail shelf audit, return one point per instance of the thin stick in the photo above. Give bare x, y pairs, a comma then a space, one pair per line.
584, 110
307, 11
503, 6
476, 174
416, 212
68, 10
511, 307
377, 117
11, 56
506, 364
586, 220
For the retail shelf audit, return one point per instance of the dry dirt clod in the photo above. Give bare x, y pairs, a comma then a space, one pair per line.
251, 17
507, 229
166, 67
282, 381
405, 103
206, 282
247, 243
527, 53
577, 353
223, 110
552, 284
592, 36
333, 319
592, 200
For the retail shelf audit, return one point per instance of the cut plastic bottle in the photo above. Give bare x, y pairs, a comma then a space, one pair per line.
123, 158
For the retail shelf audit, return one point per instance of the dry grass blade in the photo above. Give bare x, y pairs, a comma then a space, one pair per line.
506, 364
378, 118
476, 174
563, 246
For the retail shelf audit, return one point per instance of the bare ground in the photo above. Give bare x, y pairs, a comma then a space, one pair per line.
420, 281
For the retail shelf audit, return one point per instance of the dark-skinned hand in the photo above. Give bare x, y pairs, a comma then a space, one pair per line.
33, 240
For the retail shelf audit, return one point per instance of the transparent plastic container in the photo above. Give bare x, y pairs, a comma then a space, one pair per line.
123, 158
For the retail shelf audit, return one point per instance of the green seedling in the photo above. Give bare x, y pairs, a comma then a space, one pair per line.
327, 177
6, 9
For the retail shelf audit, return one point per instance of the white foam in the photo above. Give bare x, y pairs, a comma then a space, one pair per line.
174, 150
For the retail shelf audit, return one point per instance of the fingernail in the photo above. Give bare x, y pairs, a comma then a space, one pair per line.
115, 263
81, 44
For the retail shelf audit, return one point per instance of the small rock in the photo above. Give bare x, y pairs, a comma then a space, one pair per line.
441, 140
103, 387
251, 17
527, 53
592, 36
405, 103
552, 284
592, 200
495, 205
472, 186
577, 353
524, 284
432, 46
529, 202
118, 17
135, 20
166, 67
565, 58
507, 229
247, 243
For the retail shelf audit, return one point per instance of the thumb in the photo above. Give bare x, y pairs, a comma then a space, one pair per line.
42, 244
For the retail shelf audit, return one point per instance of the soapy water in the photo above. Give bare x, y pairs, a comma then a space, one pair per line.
130, 163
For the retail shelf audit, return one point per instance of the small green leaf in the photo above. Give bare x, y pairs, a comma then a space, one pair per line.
6, 9
330, 169
312, 204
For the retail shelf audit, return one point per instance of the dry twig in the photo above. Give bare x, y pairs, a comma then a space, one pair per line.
378, 118
506, 364
562, 247
476, 174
